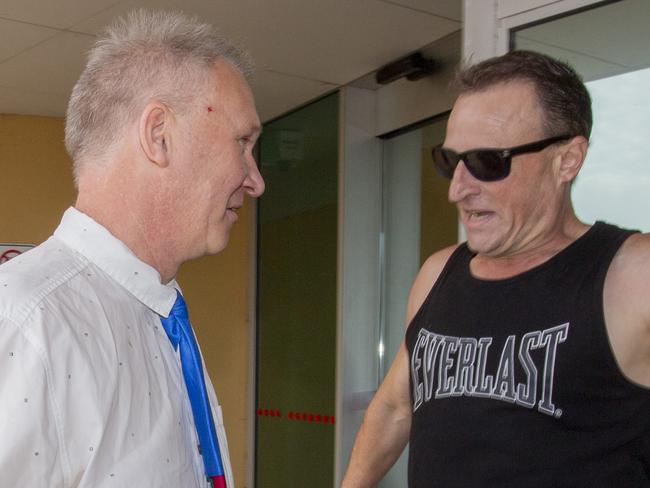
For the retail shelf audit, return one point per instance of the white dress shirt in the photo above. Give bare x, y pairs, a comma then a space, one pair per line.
91, 389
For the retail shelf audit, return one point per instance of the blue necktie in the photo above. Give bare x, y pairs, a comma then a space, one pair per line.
179, 331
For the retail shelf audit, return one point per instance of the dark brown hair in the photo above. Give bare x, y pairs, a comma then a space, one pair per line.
562, 95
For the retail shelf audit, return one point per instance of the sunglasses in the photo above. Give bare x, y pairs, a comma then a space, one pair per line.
486, 164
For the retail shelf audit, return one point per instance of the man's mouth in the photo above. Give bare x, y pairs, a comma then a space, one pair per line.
476, 215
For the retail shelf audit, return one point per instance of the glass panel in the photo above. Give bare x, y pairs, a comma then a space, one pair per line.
613, 183
418, 221
439, 218
297, 298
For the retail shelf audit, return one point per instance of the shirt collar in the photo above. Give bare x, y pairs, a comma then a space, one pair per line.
90, 239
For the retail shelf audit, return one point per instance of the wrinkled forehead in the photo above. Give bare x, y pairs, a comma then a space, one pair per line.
502, 115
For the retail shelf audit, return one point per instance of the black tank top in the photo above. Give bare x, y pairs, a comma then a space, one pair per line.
513, 382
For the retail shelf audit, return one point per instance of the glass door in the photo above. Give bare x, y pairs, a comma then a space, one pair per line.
296, 323
417, 220
608, 45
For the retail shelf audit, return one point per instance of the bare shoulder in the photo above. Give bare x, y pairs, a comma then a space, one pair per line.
631, 265
627, 287
427, 276
638, 245
626, 305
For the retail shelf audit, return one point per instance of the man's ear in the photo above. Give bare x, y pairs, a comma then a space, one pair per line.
572, 155
154, 132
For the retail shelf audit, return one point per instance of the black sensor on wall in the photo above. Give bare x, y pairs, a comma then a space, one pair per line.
413, 67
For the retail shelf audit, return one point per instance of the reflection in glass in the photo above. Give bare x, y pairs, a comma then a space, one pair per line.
614, 184
608, 46
418, 220
296, 344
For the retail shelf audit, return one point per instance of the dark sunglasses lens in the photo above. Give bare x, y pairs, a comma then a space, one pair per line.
487, 165
445, 161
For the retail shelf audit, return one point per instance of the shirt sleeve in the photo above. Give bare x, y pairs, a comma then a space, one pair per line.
29, 447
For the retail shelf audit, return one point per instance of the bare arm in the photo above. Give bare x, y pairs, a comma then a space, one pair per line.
627, 308
385, 428
387, 423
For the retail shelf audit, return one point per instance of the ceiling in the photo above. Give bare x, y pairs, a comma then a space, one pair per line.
302, 48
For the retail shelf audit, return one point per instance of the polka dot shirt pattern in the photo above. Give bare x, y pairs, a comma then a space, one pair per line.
91, 390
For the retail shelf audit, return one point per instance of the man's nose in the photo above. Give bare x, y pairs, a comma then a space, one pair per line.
463, 184
254, 182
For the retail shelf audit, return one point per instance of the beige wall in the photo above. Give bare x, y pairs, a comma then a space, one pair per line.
36, 187
438, 217
218, 291
35, 182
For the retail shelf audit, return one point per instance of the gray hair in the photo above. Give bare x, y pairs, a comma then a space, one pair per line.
141, 57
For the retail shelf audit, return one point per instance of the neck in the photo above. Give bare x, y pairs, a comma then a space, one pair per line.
544, 243
132, 215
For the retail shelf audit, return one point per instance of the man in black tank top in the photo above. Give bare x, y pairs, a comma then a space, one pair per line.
526, 361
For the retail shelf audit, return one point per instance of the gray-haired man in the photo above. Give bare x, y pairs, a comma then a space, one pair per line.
160, 126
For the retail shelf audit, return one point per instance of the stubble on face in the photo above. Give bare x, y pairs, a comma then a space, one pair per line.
508, 217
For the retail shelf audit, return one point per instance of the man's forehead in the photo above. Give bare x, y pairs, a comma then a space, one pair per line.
496, 114
502, 97
232, 94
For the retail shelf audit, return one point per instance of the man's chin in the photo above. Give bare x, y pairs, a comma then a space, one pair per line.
480, 246
210, 247
217, 247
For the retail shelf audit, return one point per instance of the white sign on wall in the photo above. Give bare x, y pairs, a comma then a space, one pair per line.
8, 251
